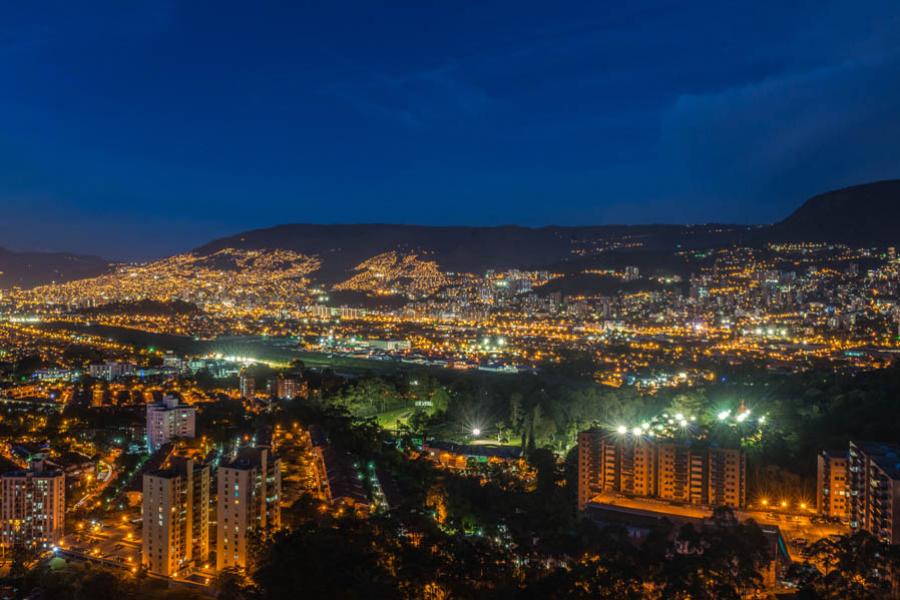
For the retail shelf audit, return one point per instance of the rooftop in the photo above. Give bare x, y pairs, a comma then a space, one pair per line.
886, 456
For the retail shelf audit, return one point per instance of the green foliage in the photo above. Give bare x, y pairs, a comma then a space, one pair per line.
851, 567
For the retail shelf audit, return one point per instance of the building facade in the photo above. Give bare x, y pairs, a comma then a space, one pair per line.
665, 469
32, 507
832, 491
249, 495
175, 509
168, 420
247, 385
874, 483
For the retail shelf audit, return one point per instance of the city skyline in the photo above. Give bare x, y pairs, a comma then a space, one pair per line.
433, 300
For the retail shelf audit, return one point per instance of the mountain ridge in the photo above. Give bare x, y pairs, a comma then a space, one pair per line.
29, 269
867, 214
862, 215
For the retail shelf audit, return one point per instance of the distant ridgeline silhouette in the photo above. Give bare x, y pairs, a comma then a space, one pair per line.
860, 215
470, 249
28, 269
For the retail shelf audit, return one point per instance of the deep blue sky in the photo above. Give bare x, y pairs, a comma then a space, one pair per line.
135, 130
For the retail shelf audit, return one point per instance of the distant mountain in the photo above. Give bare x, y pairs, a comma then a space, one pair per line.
381, 260
860, 215
341, 248
28, 269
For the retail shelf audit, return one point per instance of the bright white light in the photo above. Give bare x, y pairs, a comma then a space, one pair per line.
476, 432
743, 416
637, 431
723, 415
621, 429
679, 416
762, 419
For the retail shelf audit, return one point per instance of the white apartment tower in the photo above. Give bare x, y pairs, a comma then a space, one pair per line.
168, 420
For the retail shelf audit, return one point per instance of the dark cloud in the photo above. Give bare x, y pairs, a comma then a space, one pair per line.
137, 129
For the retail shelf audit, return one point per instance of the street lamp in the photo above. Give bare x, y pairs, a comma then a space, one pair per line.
476, 432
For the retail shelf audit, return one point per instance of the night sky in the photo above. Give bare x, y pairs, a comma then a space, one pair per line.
134, 131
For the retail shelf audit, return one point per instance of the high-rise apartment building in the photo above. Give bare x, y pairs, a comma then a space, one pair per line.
288, 388
32, 506
874, 484
247, 385
832, 491
726, 482
249, 493
667, 469
175, 508
168, 420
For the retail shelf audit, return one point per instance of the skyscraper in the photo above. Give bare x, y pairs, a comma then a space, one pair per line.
249, 492
175, 517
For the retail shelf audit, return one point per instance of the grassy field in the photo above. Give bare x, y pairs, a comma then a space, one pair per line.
389, 419
276, 351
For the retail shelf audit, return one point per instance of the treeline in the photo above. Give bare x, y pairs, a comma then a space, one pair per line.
803, 412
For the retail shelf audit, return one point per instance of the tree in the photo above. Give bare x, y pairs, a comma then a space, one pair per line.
852, 567
343, 560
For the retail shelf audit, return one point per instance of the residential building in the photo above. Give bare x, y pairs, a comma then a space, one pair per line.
168, 420
288, 388
874, 483
175, 509
32, 506
247, 385
674, 470
111, 370
832, 492
249, 492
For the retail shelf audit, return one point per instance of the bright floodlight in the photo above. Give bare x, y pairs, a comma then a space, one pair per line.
743, 416
636, 431
723, 415
476, 432
621, 429
679, 416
